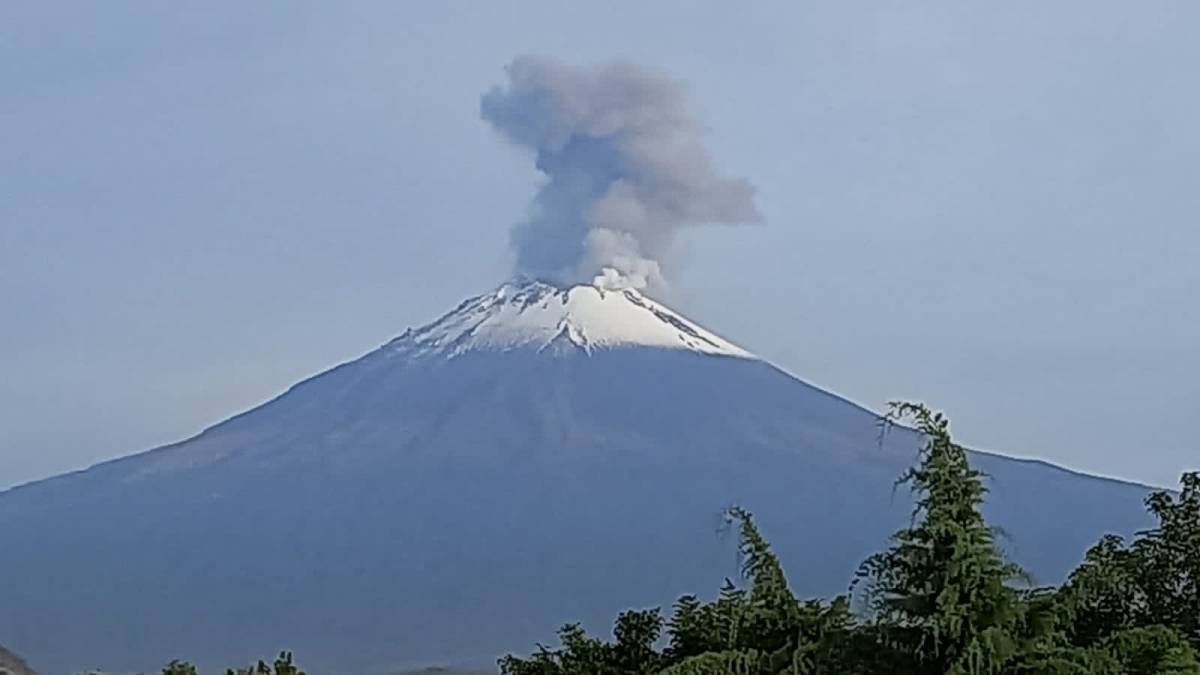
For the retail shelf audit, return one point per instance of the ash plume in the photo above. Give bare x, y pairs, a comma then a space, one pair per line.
626, 170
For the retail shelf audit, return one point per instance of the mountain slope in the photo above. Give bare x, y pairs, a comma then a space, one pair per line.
453, 495
11, 664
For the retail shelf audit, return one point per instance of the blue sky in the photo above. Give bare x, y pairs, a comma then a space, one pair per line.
989, 207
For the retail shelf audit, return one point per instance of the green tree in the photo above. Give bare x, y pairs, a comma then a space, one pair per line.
941, 600
1138, 604
1169, 556
942, 597
283, 665
1103, 595
632, 652
177, 667
1154, 650
765, 628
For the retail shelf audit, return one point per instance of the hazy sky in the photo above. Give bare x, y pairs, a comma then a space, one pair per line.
989, 206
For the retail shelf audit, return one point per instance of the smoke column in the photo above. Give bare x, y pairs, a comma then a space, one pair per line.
625, 165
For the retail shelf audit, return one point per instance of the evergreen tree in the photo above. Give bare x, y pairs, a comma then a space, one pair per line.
177, 667
283, 665
632, 653
940, 597
941, 600
770, 614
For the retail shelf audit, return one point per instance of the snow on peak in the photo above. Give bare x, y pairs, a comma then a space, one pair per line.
526, 314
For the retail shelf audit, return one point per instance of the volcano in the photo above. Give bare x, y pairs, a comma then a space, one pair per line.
537, 456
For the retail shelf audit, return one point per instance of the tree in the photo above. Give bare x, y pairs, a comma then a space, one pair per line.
1169, 556
1103, 595
940, 597
789, 636
764, 630
717, 663
632, 653
177, 667
697, 628
284, 665
1139, 604
941, 600
1154, 650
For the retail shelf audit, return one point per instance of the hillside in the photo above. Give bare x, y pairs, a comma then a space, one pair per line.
11, 664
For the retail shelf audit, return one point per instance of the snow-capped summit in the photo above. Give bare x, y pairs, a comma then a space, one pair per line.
534, 314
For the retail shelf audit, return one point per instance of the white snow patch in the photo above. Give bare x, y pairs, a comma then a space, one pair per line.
539, 315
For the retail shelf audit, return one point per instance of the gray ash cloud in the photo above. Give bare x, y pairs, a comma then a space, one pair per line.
626, 169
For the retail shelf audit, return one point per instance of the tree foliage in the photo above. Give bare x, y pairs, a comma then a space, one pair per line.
283, 665
177, 667
941, 599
